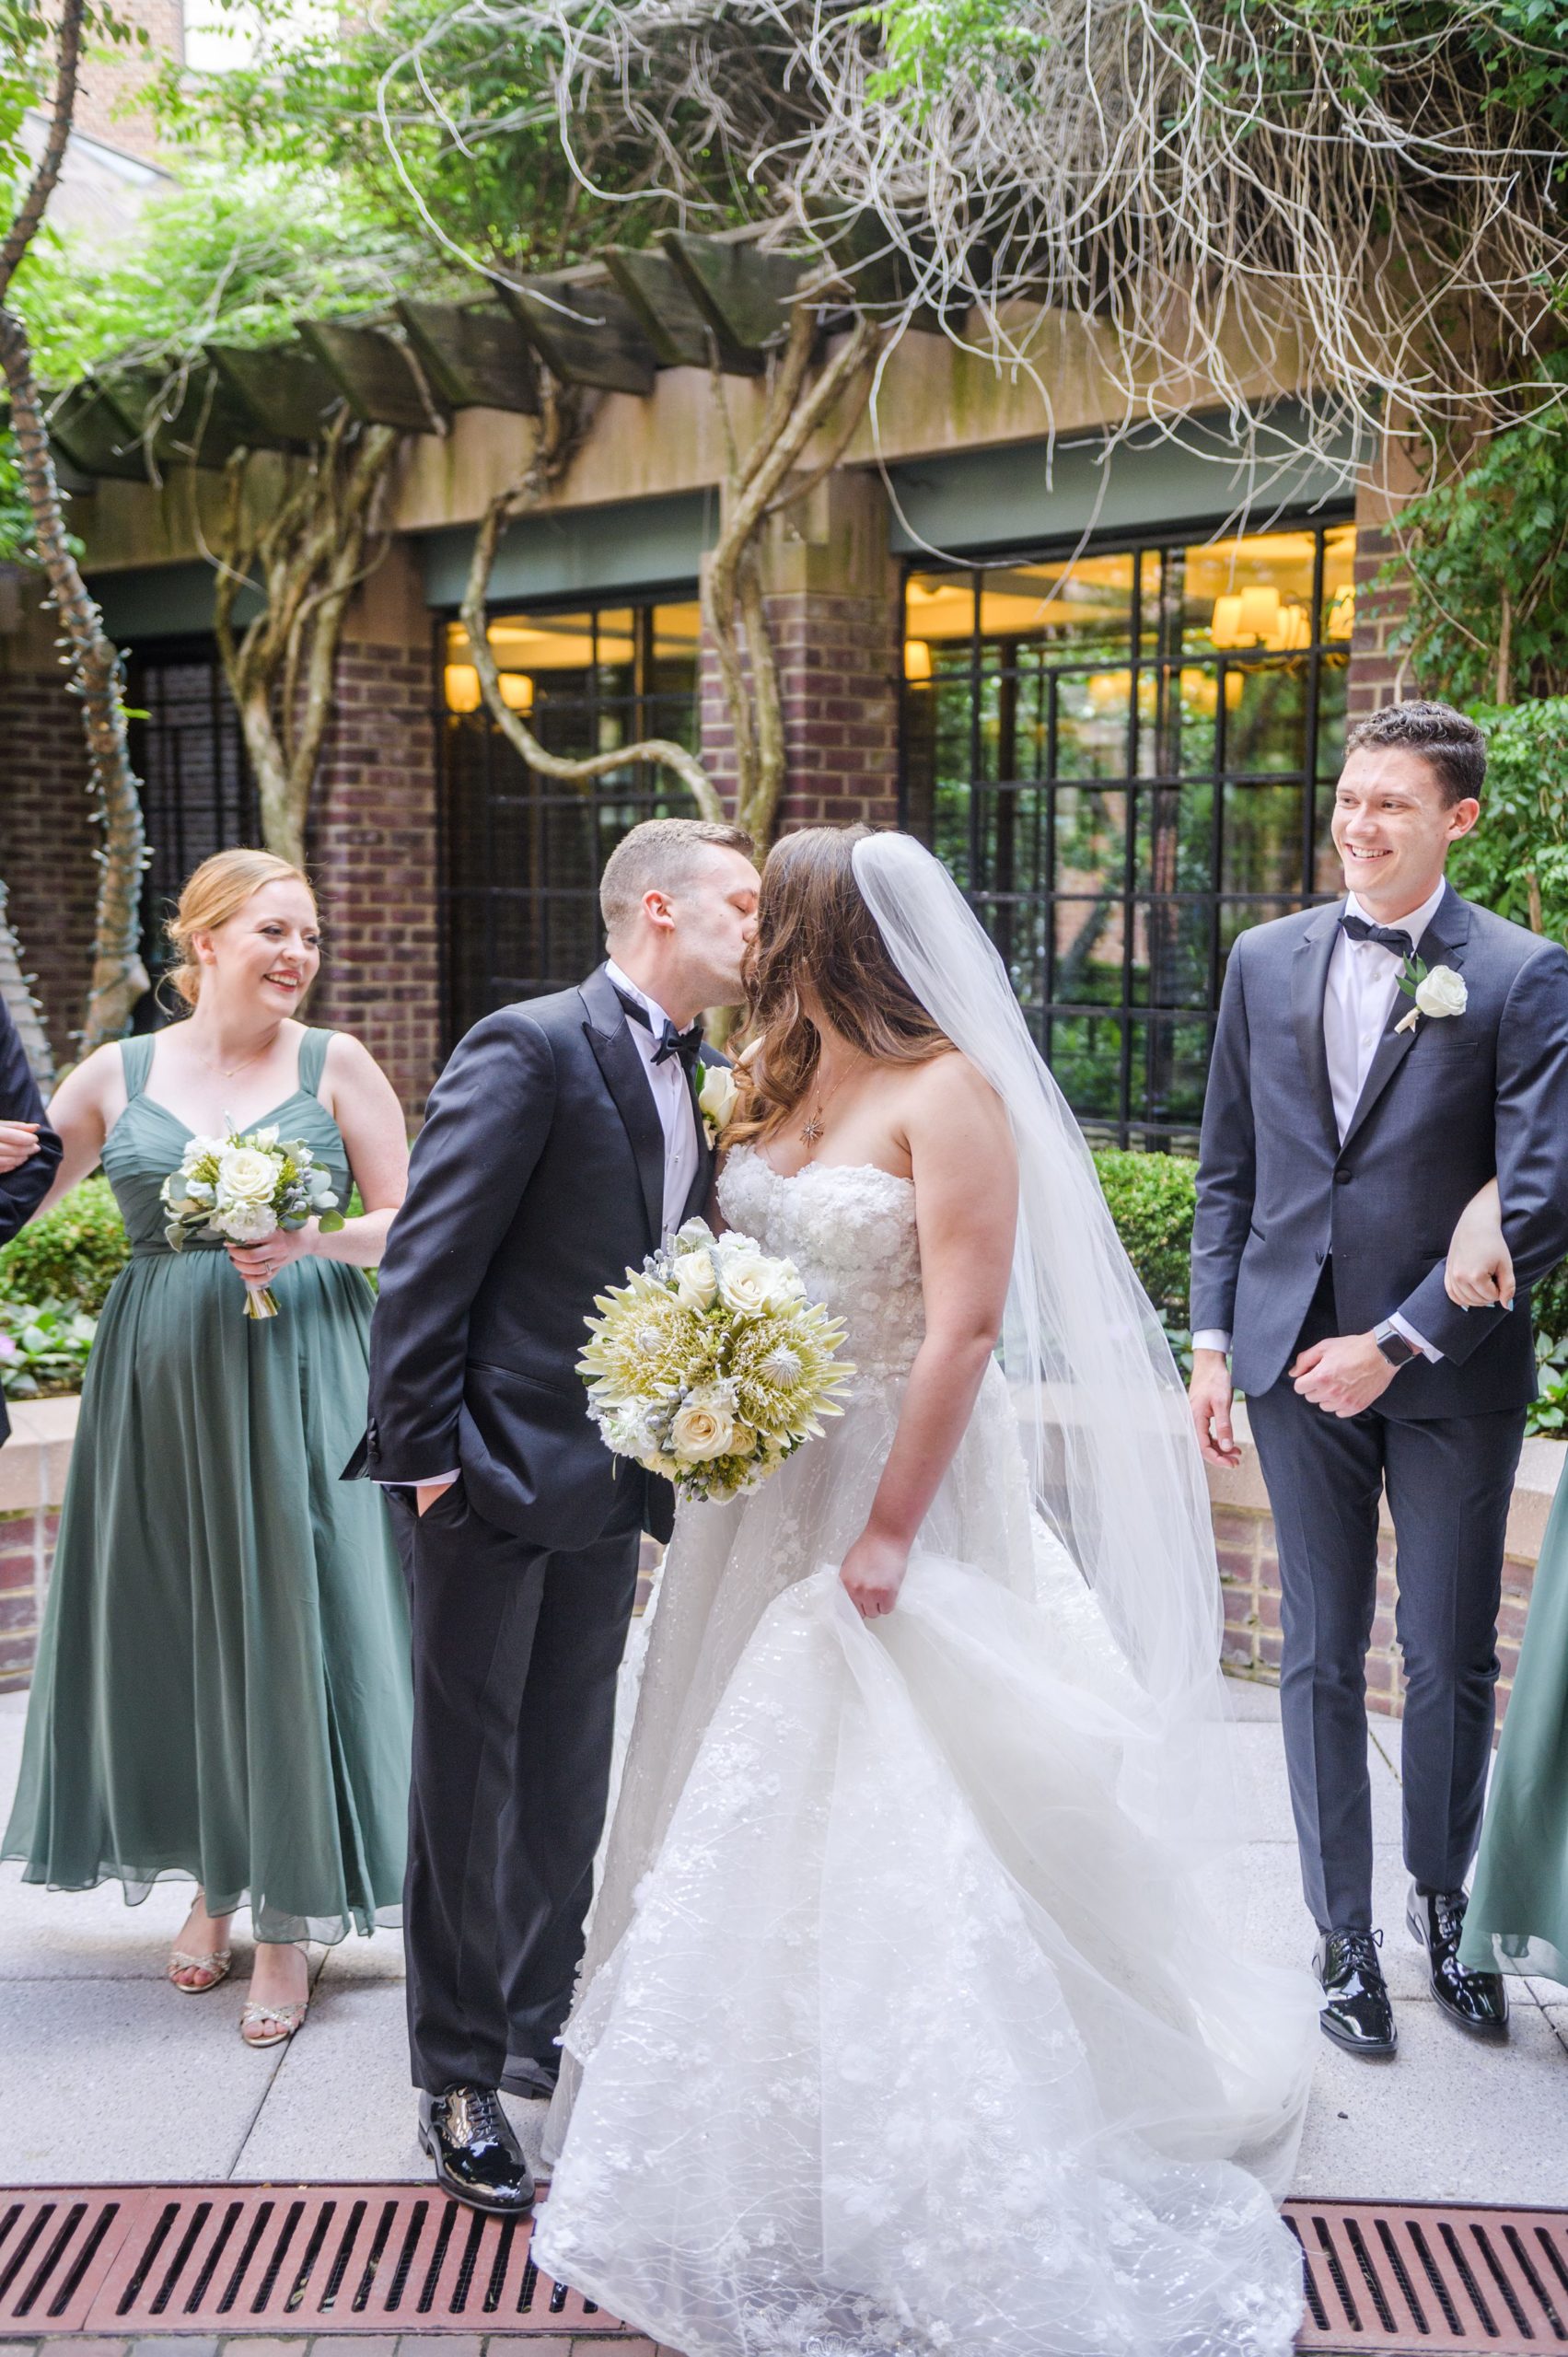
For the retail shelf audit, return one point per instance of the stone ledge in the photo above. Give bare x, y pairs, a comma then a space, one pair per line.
1540, 1468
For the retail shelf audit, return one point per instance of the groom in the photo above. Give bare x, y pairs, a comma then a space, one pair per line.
1341, 1142
561, 1144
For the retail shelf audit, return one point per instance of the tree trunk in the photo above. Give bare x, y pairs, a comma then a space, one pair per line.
563, 421
1504, 693
119, 977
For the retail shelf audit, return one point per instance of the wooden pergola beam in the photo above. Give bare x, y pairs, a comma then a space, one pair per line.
191, 417
584, 331
680, 332
475, 355
377, 375
286, 388
92, 432
744, 294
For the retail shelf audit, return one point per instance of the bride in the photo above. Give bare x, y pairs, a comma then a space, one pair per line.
906, 2026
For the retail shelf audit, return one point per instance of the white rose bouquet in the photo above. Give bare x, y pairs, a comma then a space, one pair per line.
245, 1189
710, 1365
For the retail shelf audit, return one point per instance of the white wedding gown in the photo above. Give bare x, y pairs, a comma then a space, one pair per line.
897, 2033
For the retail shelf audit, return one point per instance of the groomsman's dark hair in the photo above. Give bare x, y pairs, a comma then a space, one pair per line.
1452, 746
658, 856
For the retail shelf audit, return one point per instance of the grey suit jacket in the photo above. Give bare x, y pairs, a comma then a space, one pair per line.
537, 1180
1446, 1107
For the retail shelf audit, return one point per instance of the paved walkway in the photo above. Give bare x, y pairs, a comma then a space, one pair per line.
107, 2074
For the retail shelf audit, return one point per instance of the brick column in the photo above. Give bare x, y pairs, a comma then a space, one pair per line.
372, 837
833, 610
1377, 675
47, 834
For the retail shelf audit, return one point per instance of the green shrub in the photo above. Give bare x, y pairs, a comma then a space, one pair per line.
1152, 1199
71, 1255
43, 1349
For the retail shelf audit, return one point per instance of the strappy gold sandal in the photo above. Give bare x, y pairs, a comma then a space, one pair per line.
214, 1965
286, 2020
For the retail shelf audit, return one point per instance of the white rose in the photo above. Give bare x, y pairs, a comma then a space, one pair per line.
1442, 991
752, 1286
247, 1177
248, 1222
717, 1097
696, 1280
704, 1427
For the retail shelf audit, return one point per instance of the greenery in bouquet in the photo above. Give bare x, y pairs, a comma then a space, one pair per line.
710, 1365
243, 1188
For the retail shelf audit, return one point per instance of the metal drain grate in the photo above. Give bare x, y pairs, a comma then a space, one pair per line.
302, 2259
1396, 2276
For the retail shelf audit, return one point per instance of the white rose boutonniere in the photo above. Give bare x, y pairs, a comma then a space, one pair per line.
715, 1099
1437, 991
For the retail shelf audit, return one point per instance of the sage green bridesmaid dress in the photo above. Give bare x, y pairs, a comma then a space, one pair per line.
1517, 1918
223, 1686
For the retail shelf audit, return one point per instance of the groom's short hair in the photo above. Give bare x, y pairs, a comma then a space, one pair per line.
1451, 745
660, 856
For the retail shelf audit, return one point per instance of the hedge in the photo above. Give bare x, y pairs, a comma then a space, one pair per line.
71, 1254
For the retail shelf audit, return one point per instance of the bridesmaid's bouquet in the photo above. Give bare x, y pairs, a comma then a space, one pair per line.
710, 1365
244, 1189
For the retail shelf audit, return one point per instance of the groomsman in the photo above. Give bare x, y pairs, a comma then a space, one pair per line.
1341, 1140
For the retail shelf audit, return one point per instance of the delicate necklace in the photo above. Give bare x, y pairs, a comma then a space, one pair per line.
811, 1133
228, 1072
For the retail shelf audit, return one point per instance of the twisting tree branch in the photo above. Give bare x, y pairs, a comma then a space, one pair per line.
119, 977
312, 551
563, 421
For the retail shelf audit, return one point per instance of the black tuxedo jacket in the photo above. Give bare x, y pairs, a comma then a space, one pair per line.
1445, 1106
22, 1189
537, 1181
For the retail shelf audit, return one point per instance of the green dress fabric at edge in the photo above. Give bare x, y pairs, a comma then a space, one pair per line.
1518, 1912
223, 1686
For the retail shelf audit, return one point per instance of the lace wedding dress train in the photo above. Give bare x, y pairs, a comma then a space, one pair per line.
899, 2032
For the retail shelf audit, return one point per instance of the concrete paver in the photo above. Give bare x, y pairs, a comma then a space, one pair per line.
145, 2084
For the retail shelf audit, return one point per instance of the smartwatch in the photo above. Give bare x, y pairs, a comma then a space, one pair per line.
1397, 1348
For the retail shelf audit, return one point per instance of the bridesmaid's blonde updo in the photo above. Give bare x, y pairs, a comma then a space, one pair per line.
218, 890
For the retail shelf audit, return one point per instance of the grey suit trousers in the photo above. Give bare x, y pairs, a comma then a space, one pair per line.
1450, 1479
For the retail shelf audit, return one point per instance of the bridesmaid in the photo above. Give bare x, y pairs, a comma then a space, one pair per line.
1517, 1919
223, 1683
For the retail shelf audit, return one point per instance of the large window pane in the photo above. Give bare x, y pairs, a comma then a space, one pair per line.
1125, 761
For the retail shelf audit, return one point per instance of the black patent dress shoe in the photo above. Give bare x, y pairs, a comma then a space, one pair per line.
477, 2155
1477, 2002
1358, 2014
532, 2076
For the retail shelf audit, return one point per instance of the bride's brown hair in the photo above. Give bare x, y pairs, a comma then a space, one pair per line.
814, 928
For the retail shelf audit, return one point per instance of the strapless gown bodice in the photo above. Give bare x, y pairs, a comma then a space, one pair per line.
849, 1229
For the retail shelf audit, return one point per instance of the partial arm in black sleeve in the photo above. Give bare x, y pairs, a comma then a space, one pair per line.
485, 1129
1227, 1163
22, 1189
1532, 1152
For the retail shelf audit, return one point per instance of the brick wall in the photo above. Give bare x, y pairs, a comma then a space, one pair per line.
47, 842
113, 77
836, 658
373, 855
1250, 1576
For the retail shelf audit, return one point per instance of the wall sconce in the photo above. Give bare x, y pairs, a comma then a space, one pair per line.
461, 682
517, 691
1342, 612
1257, 616
917, 658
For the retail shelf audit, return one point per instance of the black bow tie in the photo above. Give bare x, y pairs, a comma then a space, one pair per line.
685, 1045
1386, 937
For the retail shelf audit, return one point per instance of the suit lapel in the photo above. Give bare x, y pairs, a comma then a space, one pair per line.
1442, 944
1309, 988
627, 1081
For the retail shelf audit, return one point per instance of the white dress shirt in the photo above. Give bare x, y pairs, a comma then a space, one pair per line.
1364, 981
673, 1099
677, 1112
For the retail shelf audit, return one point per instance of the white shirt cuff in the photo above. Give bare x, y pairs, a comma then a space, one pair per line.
1402, 1326
1212, 1337
429, 1481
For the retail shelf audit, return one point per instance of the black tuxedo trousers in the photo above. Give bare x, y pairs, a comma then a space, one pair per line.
516, 1652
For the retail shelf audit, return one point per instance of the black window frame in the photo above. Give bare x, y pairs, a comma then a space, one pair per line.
648, 792
1137, 1117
